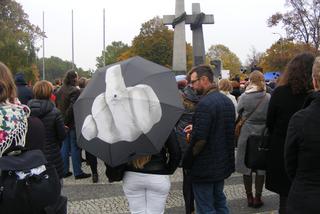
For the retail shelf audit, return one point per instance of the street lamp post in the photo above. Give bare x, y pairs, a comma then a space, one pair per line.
281, 41
43, 65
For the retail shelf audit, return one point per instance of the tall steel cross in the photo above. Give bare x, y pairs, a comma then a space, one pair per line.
178, 22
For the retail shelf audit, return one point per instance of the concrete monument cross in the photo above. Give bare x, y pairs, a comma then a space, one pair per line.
178, 21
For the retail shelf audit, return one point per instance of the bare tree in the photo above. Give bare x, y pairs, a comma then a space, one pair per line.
253, 58
301, 22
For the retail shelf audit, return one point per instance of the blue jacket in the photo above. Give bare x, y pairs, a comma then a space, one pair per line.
24, 92
211, 154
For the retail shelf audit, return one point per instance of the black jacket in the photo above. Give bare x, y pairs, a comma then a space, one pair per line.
283, 104
302, 159
54, 128
163, 163
211, 153
190, 100
35, 138
66, 97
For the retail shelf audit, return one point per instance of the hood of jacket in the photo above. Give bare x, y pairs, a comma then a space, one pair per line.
19, 79
39, 108
190, 94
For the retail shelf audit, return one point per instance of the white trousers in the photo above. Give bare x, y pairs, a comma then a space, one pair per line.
146, 193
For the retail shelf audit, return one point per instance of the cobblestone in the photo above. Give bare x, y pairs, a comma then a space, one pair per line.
103, 197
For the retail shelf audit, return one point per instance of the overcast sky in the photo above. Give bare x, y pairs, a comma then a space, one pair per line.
240, 25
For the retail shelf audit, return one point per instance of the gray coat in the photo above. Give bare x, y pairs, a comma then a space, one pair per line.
254, 125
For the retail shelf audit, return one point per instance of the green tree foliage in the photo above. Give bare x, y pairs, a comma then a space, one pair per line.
112, 53
189, 56
280, 53
56, 68
230, 61
301, 21
17, 38
154, 42
84, 73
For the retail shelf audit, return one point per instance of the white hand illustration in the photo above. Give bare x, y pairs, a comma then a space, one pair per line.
122, 113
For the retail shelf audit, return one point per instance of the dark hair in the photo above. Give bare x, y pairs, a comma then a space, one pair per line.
70, 78
203, 70
298, 73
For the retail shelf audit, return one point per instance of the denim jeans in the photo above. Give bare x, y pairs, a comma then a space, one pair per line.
70, 144
210, 198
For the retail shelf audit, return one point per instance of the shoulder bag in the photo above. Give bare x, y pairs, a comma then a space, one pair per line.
256, 151
241, 120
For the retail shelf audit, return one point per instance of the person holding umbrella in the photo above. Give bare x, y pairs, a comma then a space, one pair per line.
126, 116
146, 182
126, 112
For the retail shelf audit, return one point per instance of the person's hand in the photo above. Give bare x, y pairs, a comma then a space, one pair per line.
122, 113
188, 129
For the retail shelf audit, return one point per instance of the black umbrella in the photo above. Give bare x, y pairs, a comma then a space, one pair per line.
128, 109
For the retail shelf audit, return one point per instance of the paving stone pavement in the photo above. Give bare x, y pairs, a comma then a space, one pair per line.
84, 197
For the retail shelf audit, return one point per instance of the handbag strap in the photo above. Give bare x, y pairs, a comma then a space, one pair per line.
260, 101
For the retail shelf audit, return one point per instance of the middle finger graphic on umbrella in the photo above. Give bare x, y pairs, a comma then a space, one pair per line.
122, 113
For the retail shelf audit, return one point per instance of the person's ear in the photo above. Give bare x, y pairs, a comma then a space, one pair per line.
315, 84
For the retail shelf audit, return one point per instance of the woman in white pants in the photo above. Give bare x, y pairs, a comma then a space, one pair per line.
146, 182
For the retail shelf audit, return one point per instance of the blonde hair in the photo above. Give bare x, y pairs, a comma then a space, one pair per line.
42, 90
257, 78
316, 70
225, 85
3, 92
141, 161
6, 77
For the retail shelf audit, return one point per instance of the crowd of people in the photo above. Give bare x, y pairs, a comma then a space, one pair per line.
202, 143
287, 110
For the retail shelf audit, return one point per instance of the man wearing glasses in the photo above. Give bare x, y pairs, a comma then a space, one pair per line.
210, 157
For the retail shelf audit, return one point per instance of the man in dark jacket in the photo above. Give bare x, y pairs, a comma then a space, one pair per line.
24, 92
66, 97
210, 156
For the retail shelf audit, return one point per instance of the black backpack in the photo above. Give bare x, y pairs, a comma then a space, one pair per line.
25, 192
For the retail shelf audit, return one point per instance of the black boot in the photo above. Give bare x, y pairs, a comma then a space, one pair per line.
250, 200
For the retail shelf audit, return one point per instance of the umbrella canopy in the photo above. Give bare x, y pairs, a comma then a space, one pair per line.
127, 109
272, 75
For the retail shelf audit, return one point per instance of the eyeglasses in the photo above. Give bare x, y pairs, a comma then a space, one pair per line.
194, 81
